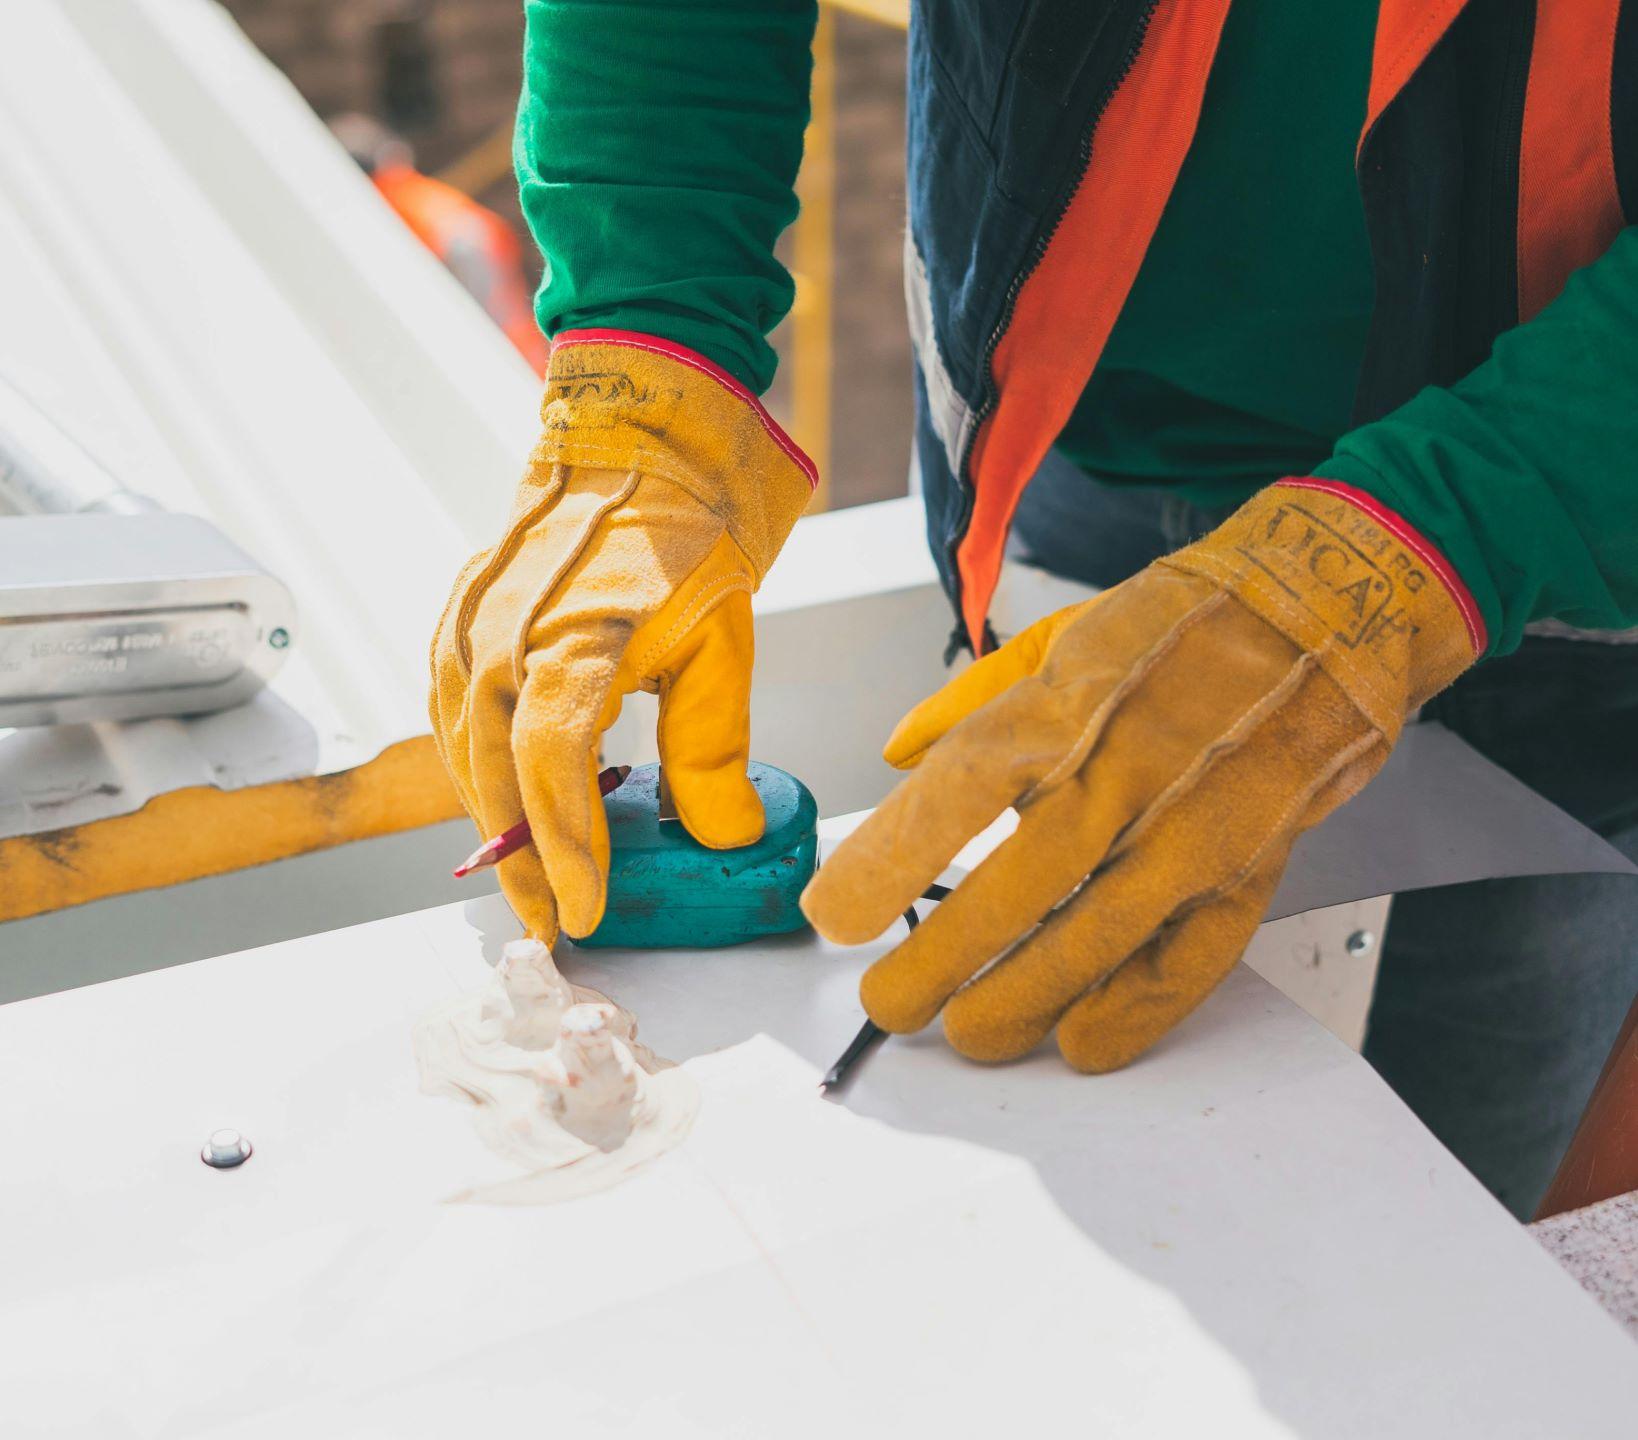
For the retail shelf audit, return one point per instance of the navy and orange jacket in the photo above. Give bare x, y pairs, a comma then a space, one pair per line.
1499, 153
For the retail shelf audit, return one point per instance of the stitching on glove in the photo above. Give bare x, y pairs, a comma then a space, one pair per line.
657, 463
462, 580
1083, 742
1247, 872
520, 639
686, 357
697, 608
1281, 827
1414, 541
498, 560
1301, 620
1225, 744
660, 465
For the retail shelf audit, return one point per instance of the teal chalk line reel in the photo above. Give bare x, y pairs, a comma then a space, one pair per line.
667, 891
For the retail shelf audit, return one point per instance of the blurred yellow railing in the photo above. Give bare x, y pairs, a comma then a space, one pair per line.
813, 267
487, 163
813, 244
895, 13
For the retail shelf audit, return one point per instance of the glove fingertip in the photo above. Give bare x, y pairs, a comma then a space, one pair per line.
891, 1005
930, 721
906, 753
1096, 1053
917, 733
830, 913
524, 886
720, 809
583, 913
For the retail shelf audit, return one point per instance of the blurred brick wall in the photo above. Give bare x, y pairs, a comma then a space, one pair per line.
333, 52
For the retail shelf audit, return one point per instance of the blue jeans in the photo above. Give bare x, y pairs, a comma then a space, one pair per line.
1496, 1002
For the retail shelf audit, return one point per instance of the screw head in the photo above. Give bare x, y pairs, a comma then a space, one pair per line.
1361, 942
279, 639
225, 1149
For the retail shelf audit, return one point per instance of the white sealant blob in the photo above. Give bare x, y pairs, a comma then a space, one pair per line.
589, 1080
529, 1002
560, 1085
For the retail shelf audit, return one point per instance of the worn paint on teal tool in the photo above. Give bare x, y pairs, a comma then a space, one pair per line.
666, 890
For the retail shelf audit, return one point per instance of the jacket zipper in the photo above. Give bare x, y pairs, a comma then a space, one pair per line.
1503, 289
1037, 250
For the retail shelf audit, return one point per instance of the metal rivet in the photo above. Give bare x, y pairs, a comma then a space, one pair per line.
1361, 942
225, 1149
279, 638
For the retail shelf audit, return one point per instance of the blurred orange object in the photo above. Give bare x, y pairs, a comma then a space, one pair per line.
1602, 1161
478, 246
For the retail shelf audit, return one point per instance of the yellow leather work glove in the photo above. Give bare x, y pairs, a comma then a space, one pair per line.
1163, 744
652, 507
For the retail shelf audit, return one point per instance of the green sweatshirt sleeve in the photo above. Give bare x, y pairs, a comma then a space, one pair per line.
1525, 472
656, 150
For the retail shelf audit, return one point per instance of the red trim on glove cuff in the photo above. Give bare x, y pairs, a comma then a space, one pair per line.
1413, 540
684, 356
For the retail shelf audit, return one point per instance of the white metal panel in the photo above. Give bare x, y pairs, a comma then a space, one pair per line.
1327, 961
1243, 1234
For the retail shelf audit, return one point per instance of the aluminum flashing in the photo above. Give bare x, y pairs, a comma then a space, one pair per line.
1438, 813
223, 310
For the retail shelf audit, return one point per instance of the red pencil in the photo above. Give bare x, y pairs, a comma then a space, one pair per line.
508, 842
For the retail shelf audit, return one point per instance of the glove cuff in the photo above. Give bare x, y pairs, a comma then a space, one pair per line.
616, 399
1350, 581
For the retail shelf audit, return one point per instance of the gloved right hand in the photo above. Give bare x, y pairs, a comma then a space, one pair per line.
1163, 744
652, 507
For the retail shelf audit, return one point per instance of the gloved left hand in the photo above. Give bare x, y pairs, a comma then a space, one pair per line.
654, 503
1163, 744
